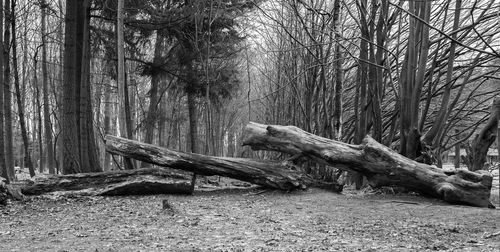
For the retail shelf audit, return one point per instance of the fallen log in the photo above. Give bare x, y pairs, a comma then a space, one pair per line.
126, 182
381, 165
265, 173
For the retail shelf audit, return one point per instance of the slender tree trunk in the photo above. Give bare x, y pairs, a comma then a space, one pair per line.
162, 122
20, 104
3, 166
337, 102
107, 123
59, 141
9, 149
193, 128
457, 151
431, 136
152, 115
38, 116
498, 148
357, 178
45, 92
193, 122
122, 93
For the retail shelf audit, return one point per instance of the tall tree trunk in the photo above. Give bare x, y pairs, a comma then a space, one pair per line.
9, 149
412, 79
45, 92
357, 178
79, 152
122, 92
107, 123
193, 122
38, 116
162, 111
442, 115
88, 150
193, 128
3, 166
337, 102
152, 115
59, 141
20, 104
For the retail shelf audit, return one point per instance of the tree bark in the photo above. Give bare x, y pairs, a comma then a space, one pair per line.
107, 123
152, 115
45, 92
122, 92
381, 165
9, 148
479, 149
126, 182
430, 138
265, 173
3, 167
20, 104
78, 142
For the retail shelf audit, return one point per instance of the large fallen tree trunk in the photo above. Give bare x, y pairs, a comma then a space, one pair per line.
126, 182
381, 165
265, 173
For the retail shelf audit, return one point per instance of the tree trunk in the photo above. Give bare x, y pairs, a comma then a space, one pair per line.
3, 167
45, 93
88, 150
9, 149
362, 75
265, 173
193, 126
20, 104
122, 94
339, 76
479, 149
430, 138
126, 182
152, 115
381, 165
37, 114
107, 123
79, 152
456, 161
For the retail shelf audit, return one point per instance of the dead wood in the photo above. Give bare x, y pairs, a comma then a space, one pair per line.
381, 165
126, 182
265, 173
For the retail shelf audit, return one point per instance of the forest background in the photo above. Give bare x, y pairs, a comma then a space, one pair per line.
418, 76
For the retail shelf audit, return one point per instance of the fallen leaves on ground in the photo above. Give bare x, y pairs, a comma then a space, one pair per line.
248, 220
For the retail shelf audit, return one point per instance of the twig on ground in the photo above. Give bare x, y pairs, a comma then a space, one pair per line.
491, 235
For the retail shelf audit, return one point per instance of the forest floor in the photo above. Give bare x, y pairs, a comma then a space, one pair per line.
247, 219
230, 215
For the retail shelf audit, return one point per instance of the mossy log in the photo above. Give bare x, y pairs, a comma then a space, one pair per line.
381, 165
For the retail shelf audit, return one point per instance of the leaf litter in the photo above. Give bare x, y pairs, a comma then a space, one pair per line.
248, 219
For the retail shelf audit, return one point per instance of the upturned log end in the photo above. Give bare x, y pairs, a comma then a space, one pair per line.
456, 195
466, 187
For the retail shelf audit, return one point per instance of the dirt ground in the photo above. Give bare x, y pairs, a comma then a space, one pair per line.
247, 220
